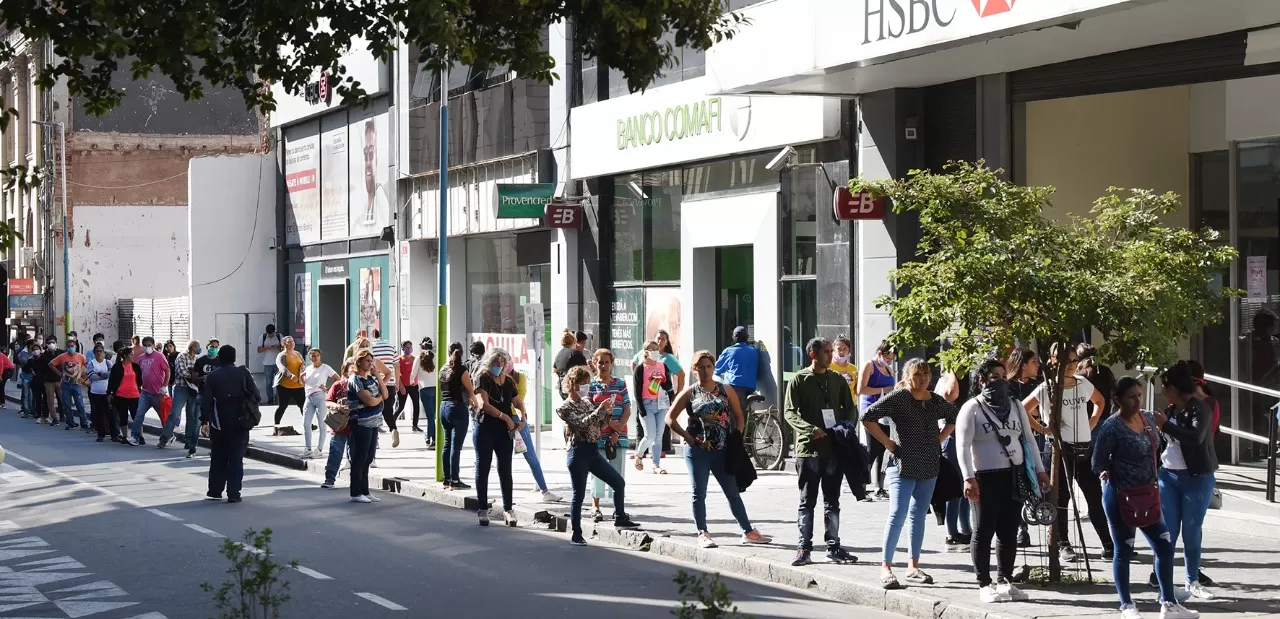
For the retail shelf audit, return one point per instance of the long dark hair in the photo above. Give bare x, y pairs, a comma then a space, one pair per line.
455, 366
427, 360
1017, 361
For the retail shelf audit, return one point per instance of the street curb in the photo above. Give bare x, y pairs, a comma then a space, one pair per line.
904, 602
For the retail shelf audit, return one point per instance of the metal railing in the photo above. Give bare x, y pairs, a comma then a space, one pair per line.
1272, 421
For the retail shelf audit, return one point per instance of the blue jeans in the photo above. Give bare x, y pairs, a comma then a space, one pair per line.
269, 371
586, 460
958, 523
1123, 534
653, 424
702, 464
454, 419
531, 457
364, 446
906, 496
314, 411
427, 395
146, 402
1185, 500
73, 399
184, 408
28, 395
337, 449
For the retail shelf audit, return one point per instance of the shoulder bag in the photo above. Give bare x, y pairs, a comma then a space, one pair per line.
250, 414
1022, 491
1140, 506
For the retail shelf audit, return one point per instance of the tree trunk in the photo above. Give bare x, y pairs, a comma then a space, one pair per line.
1056, 530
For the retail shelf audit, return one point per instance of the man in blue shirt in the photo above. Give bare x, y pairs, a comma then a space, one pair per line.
738, 366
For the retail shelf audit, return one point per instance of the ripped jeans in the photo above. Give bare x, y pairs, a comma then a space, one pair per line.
1124, 535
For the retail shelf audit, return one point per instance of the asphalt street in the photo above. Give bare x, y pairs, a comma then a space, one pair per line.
113, 532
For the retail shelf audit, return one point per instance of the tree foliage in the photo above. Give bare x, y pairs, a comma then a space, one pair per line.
251, 44
994, 271
255, 590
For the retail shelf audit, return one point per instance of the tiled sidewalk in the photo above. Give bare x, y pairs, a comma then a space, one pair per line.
1239, 550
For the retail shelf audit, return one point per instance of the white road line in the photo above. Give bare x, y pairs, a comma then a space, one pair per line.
312, 573
381, 601
75, 479
209, 532
165, 515
248, 548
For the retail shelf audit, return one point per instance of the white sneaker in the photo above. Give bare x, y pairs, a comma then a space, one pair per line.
361, 499
372, 499
1006, 589
1177, 611
1197, 591
989, 595
1129, 611
705, 541
1181, 595
307, 454
373, 464
550, 497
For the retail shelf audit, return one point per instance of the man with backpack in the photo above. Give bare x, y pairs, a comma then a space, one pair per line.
228, 410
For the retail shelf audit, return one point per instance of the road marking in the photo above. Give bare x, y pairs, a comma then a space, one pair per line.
312, 573
165, 515
381, 601
248, 548
209, 532
75, 479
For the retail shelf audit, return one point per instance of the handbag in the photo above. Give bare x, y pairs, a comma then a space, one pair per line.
337, 415
1140, 507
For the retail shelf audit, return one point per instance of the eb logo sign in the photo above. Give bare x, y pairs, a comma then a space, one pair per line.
561, 215
852, 206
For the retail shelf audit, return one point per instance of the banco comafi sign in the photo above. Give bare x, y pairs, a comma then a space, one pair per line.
673, 123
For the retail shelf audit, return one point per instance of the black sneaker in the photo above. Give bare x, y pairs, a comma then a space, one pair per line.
1205, 580
624, 522
1024, 540
191, 454
457, 485
956, 541
882, 494
596, 516
1108, 554
327, 485
802, 558
209, 496
164, 442
101, 438
841, 556
967, 537
577, 540
234, 499
1154, 582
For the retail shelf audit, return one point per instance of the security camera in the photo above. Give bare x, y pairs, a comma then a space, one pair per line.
781, 160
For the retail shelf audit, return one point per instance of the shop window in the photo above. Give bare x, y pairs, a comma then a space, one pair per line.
497, 287
799, 322
646, 227
1258, 270
800, 225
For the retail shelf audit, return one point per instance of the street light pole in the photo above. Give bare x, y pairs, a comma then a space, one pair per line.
66, 223
442, 232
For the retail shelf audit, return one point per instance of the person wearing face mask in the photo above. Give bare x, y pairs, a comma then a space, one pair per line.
650, 381
738, 365
583, 424
570, 356
26, 353
455, 398
50, 378
540, 492
612, 442
101, 340
499, 402
71, 366
184, 397
99, 373
993, 441
874, 381
408, 387
155, 381
842, 363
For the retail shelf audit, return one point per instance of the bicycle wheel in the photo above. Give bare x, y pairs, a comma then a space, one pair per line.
768, 442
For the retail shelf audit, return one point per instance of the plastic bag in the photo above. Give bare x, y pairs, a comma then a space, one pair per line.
166, 407
519, 442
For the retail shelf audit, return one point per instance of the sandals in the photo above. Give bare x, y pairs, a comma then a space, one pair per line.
657, 470
917, 576
888, 581
639, 464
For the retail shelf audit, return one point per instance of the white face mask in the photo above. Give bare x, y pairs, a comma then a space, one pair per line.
584, 391
149, 349
655, 355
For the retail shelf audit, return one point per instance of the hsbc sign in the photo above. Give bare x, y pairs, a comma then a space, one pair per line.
892, 19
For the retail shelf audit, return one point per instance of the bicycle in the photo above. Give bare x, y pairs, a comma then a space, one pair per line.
768, 436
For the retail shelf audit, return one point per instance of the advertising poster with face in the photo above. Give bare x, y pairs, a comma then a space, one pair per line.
302, 189
302, 309
334, 161
370, 299
369, 155
662, 313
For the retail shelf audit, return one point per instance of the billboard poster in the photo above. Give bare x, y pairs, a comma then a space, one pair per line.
370, 153
626, 334
333, 178
302, 195
370, 317
662, 311
302, 309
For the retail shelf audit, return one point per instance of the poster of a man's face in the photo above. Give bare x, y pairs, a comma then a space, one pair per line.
370, 167
370, 299
369, 154
301, 307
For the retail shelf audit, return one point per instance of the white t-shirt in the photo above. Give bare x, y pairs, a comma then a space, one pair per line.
98, 386
315, 379
269, 356
425, 379
1172, 456
1075, 409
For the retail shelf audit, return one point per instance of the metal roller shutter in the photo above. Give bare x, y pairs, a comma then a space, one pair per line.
950, 124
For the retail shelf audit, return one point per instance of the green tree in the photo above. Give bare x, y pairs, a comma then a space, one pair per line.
255, 590
993, 271
704, 597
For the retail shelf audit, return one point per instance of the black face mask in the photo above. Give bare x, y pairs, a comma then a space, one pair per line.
996, 391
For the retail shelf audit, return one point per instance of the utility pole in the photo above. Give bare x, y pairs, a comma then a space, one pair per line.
66, 223
442, 232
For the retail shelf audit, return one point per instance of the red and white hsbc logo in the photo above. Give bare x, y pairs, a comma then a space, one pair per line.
561, 215
852, 206
892, 19
987, 8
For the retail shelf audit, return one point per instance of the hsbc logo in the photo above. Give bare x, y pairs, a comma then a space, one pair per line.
893, 19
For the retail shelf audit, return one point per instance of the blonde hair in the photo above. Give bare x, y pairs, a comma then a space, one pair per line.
361, 356
698, 357
568, 339
602, 352
575, 376
913, 369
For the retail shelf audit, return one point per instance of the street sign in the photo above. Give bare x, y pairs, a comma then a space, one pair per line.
524, 200
562, 215
26, 302
533, 327
22, 286
853, 206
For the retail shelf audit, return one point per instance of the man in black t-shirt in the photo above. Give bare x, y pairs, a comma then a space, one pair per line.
568, 358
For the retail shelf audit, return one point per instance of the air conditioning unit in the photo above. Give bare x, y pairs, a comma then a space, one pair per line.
28, 255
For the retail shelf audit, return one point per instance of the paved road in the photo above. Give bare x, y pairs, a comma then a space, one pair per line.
113, 532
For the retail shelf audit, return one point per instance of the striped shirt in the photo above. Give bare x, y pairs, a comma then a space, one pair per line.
366, 416
386, 353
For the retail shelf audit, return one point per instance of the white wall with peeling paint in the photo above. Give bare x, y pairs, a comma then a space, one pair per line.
122, 252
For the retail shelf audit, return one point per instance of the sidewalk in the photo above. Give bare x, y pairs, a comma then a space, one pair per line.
1239, 551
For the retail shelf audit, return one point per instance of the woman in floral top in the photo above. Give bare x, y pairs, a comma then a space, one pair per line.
606, 387
714, 413
583, 424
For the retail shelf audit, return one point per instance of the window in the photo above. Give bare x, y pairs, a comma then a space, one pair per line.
646, 226
497, 289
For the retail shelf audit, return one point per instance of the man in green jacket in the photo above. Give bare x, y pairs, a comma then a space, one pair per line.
816, 401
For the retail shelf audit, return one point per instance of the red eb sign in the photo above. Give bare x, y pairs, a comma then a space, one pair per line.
848, 205
562, 215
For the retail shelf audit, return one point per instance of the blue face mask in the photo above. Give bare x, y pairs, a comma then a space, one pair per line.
213, 351
71, 348
495, 370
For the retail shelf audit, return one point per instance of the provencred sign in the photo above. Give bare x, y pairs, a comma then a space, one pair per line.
524, 200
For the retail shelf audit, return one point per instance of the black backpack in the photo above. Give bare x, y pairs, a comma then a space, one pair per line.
250, 414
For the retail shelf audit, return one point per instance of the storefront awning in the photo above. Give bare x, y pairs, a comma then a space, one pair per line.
849, 47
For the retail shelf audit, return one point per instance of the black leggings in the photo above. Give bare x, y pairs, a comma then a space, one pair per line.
1077, 467
877, 458
995, 514
125, 408
286, 396
491, 439
103, 420
410, 393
